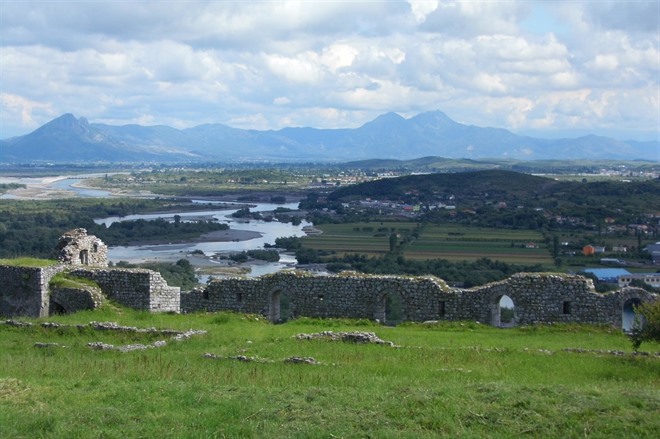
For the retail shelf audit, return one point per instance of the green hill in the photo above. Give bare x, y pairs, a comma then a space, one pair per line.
488, 183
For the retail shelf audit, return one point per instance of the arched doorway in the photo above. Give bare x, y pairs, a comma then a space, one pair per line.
628, 313
503, 312
280, 309
56, 308
390, 309
84, 257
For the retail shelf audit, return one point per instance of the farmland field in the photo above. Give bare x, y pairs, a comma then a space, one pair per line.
452, 242
456, 242
357, 238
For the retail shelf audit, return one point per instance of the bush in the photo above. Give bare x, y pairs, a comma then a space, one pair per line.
647, 324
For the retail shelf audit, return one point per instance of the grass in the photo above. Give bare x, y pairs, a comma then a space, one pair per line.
65, 280
28, 262
452, 379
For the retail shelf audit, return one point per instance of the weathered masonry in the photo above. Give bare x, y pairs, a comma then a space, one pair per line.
537, 298
25, 291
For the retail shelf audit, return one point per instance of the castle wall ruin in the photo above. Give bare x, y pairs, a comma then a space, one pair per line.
537, 297
25, 291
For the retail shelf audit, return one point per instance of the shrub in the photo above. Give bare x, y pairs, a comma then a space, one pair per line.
647, 324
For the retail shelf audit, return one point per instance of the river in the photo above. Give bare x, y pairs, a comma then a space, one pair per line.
262, 232
269, 231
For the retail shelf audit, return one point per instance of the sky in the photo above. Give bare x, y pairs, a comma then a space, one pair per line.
544, 68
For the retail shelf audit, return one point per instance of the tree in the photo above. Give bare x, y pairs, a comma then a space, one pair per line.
393, 241
647, 324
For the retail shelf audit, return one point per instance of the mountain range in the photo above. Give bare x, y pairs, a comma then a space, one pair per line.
68, 139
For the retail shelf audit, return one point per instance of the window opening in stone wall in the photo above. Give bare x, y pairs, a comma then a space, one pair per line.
95, 248
84, 257
205, 295
566, 307
281, 307
394, 313
628, 314
239, 297
442, 310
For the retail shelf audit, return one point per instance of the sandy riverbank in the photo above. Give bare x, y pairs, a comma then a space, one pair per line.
217, 236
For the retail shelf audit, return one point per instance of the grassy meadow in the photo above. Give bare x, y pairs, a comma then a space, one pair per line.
444, 380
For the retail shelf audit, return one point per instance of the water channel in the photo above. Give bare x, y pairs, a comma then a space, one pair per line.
268, 231
262, 232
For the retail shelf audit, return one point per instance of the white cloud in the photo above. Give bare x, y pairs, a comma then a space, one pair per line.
281, 100
590, 65
422, 8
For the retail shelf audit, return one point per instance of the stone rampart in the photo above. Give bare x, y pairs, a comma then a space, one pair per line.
537, 298
24, 290
352, 296
136, 288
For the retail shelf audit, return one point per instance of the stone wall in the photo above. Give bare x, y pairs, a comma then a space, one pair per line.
537, 298
136, 288
353, 296
24, 290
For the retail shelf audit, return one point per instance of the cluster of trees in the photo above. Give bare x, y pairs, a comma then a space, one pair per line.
465, 273
262, 255
126, 232
33, 228
4, 187
180, 274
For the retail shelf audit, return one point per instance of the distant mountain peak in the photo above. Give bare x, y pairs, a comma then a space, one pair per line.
389, 136
387, 118
433, 118
67, 121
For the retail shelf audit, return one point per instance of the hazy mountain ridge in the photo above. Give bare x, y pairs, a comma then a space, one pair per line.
389, 136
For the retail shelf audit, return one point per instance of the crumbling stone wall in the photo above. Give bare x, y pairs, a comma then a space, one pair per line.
136, 288
77, 248
537, 298
24, 290
353, 296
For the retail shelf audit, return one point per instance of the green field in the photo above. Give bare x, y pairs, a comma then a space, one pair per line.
457, 242
451, 241
444, 380
370, 239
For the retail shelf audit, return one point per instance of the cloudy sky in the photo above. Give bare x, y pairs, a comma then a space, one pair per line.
551, 68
